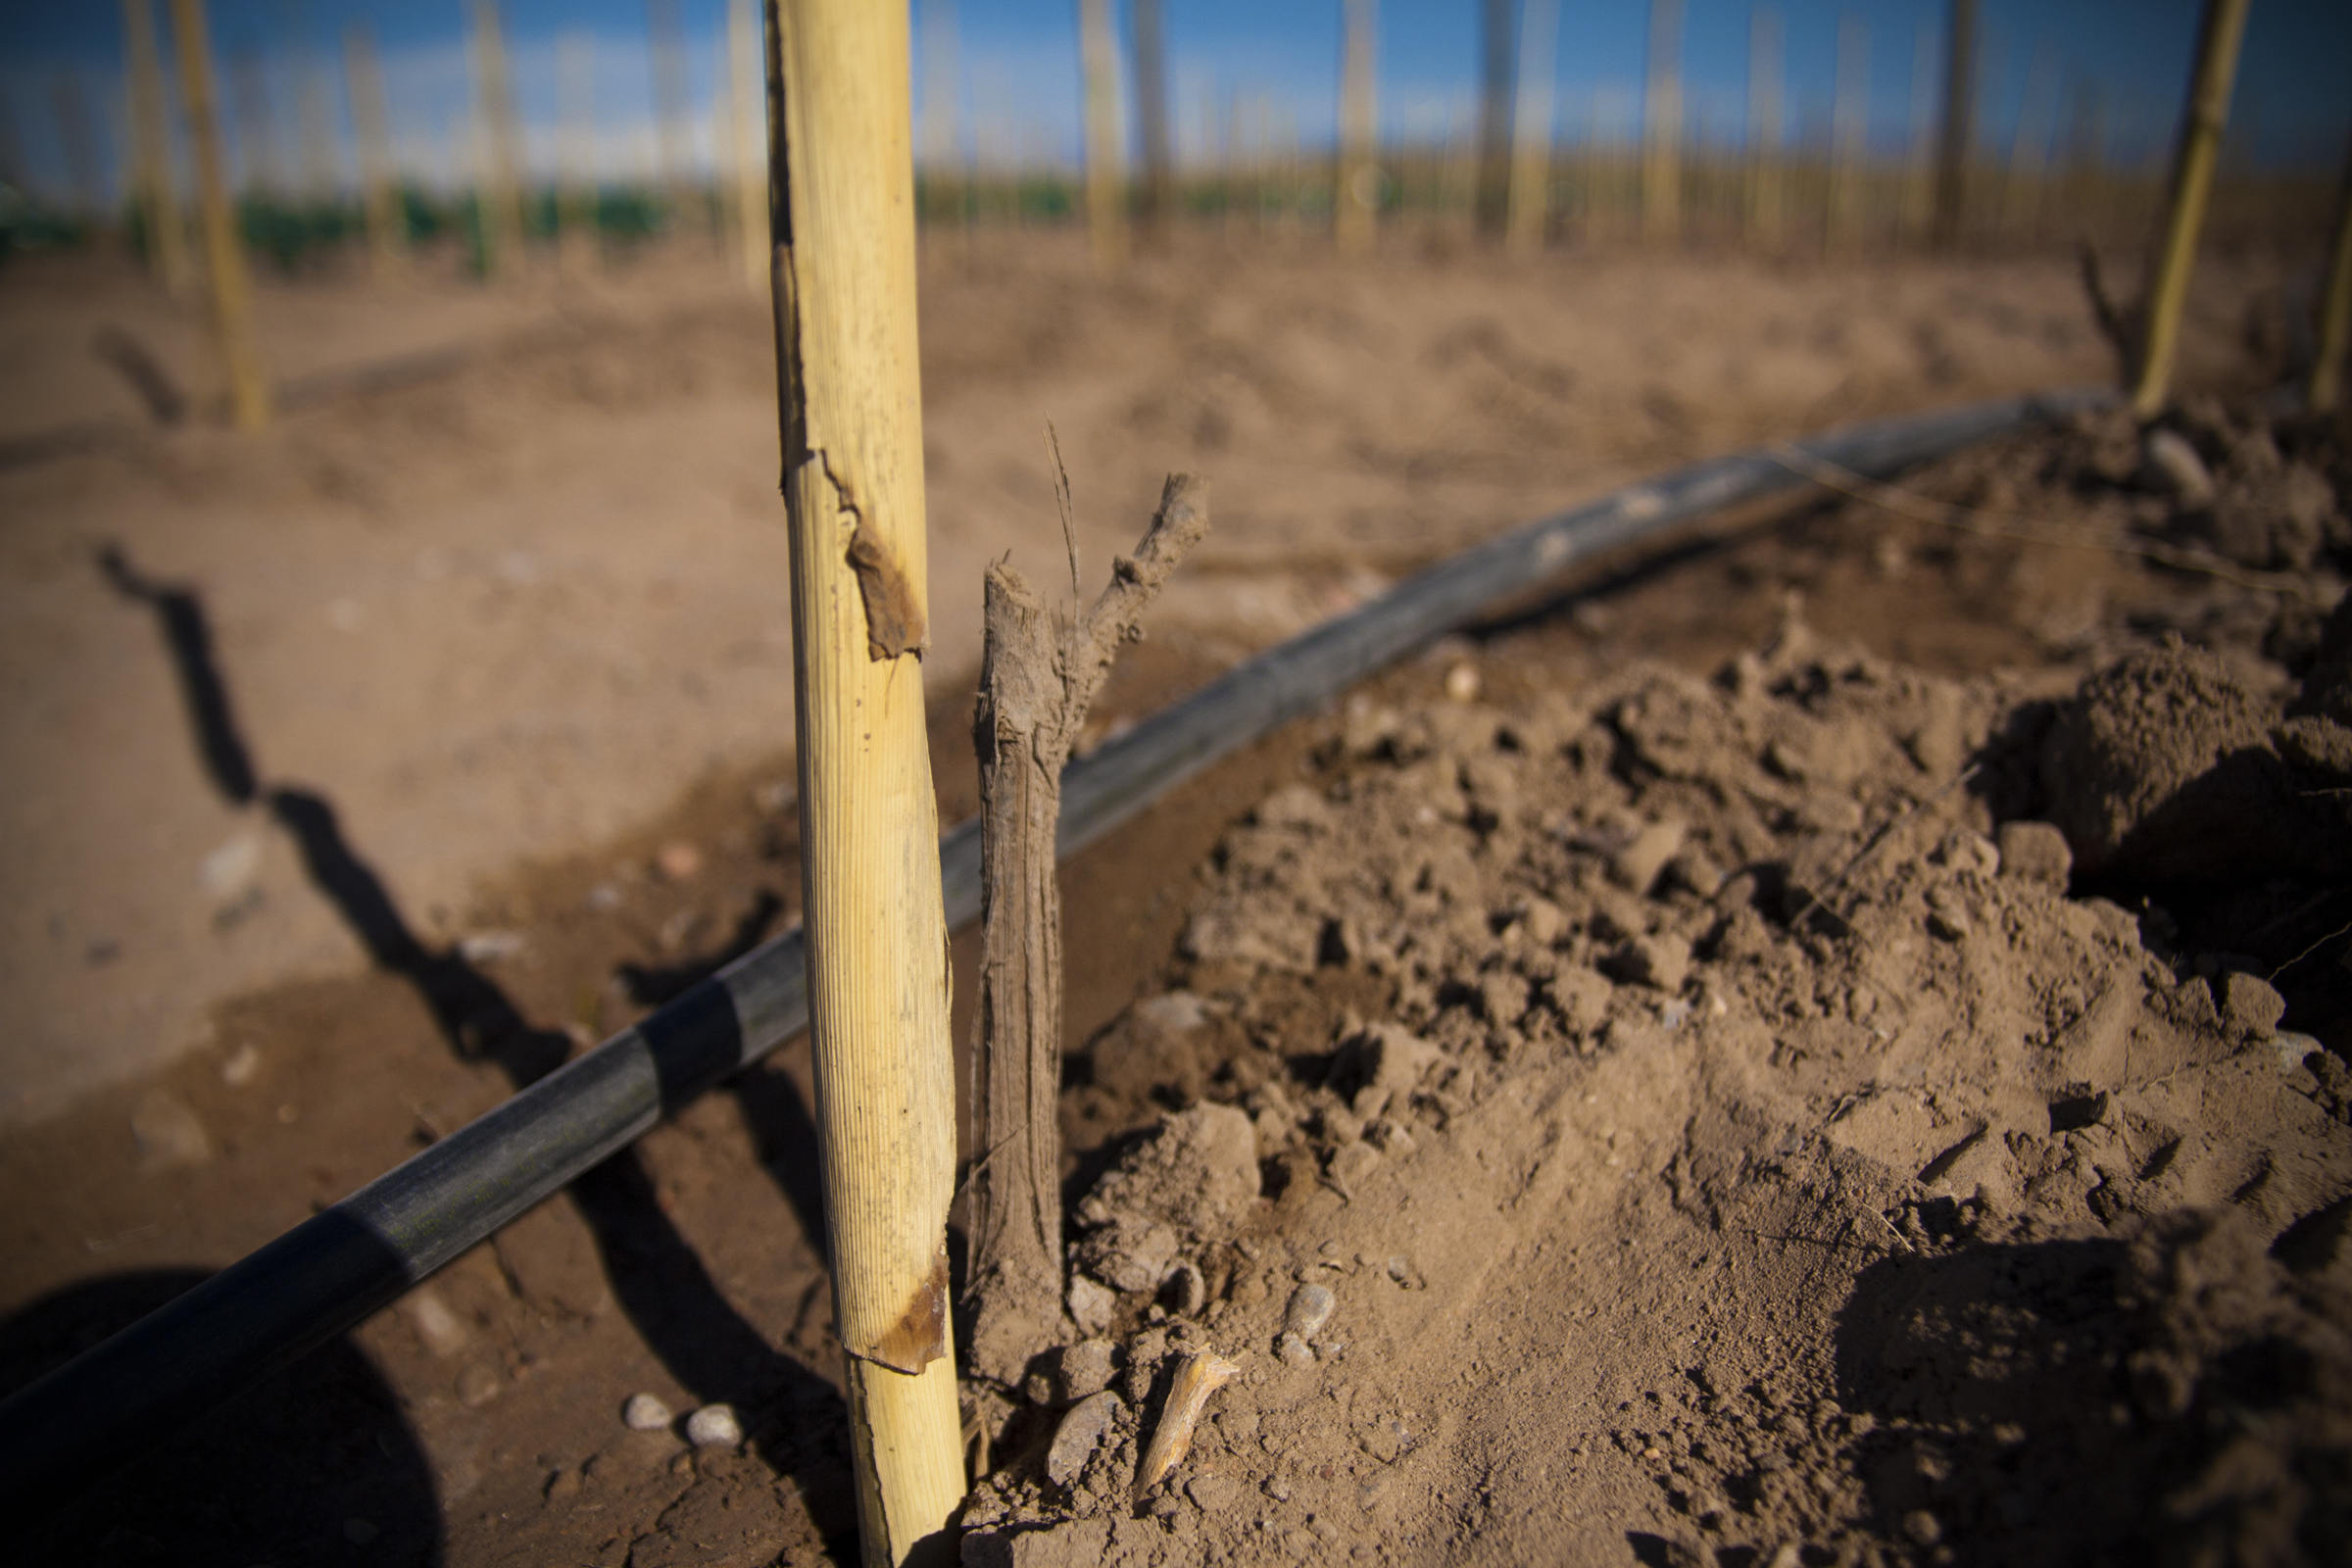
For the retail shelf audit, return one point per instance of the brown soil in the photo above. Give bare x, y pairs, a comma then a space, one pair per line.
1687, 1189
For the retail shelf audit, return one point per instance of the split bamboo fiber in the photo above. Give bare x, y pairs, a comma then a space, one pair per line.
842, 195
2185, 215
223, 254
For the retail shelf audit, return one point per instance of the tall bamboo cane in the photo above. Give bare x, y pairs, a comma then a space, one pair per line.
1106, 174
1355, 205
151, 146
1530, 130
1765, 154
2335, 308
1662, 129
224, 253
388, 226
841, 199
2193, 156
1959, 105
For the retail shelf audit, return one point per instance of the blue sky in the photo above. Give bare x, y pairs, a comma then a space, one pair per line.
1017, 73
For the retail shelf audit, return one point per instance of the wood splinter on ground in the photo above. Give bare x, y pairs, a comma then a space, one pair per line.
1201, 1375
1040, 672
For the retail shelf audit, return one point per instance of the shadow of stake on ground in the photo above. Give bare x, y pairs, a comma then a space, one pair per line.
660, 1284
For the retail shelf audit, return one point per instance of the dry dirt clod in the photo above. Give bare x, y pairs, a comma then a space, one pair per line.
1081, 1432
1310, 1308
1201, 1375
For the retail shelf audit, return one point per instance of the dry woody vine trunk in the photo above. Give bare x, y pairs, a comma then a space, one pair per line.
1041, 671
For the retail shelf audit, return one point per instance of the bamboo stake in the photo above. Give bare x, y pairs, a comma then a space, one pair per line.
1040, 672
1959, 105
667, 41
502, 189
1662, 133
70, 103
260, 172
1106, 181
2028, 150
1355, 204
2201, 122
380, 195
1850, 98
151, 142
1151, 110
1531, 133
841, 199
224, 255
1496, 79
577, 243
1918, 171
1765, 201
2335, 308
751, 185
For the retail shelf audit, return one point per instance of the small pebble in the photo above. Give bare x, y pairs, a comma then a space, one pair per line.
1923, 1527
1294, 1350
678, 861
1312, 1306
644, 1413
242, 1063
1462, 682
477, 1385
1085, 1369
713, 1426
1399, 1270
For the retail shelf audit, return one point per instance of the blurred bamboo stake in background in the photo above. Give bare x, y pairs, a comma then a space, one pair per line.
380, 195
321, 148
2335, 306
77, 139
495, 145
1662, 127
941, 73
224, 255
1496, 79
1959, 104
151, 146
1849, 109
1531, 129
1106, 177
2176, 254
841, 172
1765, 201
749, 135
577, 242
260, 176
1152, 113
2030, 149
1355, 201
1918, 157
673, 136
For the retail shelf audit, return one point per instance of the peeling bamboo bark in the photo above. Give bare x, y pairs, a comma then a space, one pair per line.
1041, 671
841, 203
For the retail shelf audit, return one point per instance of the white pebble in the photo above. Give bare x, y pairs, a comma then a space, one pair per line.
713, 1426
644, 1413
1294, 1350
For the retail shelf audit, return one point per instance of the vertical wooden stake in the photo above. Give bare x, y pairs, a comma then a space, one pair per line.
1959, 105
841, 199
224, 255
1530, 130
1152, 114
1498, 76
1849, 102
1764, 203
502, 182
1105, 179
577, 242
2193, 157
151, 145
2336, 309
751, 171
1662, 131
1355, 203
379, 194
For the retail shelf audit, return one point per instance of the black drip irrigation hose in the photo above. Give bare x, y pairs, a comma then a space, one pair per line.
128, 1393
